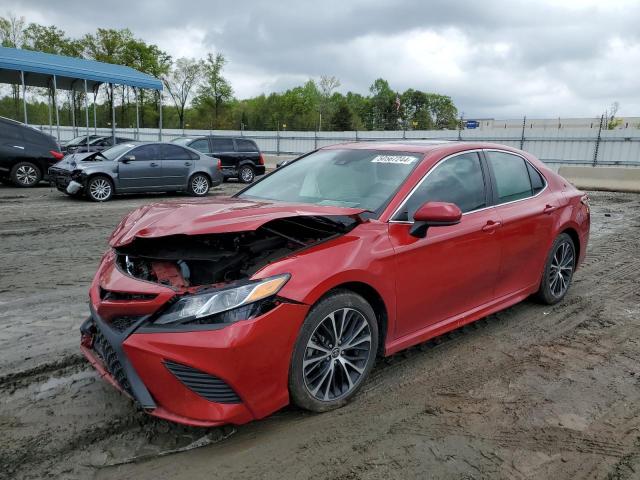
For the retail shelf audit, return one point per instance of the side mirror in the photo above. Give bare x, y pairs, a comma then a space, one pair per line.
434, 214
128, 158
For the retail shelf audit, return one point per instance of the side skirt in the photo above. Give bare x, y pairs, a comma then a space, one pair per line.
440, 328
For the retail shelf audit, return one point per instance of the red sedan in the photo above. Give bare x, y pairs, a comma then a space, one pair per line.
224, 311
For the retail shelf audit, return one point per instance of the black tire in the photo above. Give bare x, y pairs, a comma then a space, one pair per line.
246, 174
25, 175
199, 185
558, 270
349, 312
99, 188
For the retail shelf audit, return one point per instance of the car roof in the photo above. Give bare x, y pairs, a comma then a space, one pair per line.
418, 146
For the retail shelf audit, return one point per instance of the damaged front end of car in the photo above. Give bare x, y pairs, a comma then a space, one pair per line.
180, 289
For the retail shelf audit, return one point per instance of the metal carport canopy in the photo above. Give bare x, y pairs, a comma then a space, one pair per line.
39, 67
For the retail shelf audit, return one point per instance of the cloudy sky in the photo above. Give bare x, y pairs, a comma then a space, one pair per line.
495, 58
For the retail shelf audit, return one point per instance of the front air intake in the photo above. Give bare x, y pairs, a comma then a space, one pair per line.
207, 386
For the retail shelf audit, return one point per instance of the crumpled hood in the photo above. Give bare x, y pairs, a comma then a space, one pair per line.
78, 161
220, 215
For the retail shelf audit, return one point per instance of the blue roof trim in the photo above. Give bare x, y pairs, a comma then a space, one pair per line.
74, 68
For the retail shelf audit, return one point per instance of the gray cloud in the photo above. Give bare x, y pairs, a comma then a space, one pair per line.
495, 58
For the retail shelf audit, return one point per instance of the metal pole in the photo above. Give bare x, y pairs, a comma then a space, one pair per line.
73, 110
113, 115
460, 127
315, 140
55, 105
160, 120
595, 152
24, 98
524, 123
135, 90
49, 109
278, 140
86, 110
95, 113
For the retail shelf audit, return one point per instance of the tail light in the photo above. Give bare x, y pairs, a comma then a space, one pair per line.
261, 159
219, 164
56, 155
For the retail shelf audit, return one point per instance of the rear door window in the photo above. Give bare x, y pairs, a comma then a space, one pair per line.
11, 132
246, 145
146, 152
537, 182
173, 152
511, 176
458, 180
222, 145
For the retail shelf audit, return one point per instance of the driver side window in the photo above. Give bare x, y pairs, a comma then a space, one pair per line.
458, 180
146, 152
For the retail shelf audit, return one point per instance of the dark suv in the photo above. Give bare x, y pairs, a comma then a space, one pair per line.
25, 153
240, 157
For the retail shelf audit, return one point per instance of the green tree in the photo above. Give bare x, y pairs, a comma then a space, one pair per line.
180, 82
342, 119
216, 90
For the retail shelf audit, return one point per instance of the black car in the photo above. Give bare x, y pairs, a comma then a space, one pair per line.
25, 153
240, 157
97, 143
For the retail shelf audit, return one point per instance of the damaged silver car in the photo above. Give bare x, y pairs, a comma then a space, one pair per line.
136, 167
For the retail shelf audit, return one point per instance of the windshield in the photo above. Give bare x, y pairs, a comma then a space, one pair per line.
364, 179
80, 140
114, 152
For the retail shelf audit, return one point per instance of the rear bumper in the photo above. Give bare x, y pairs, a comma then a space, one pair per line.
249, 358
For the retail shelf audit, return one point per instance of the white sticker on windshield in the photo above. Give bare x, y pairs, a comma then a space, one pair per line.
399, 159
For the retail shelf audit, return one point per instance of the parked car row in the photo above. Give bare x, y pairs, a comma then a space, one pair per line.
98, 169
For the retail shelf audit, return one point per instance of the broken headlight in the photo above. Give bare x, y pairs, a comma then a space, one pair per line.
196, 308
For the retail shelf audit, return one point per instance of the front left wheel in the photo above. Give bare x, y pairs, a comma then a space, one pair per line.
334, 353
99, 188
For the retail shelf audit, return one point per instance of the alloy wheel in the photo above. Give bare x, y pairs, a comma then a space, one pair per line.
199, 185
26, 175
336, 354
246, 174
561, 269
100, 189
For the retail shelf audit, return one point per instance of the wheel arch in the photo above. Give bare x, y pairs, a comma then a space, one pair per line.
93, 175
573, 233
373, 297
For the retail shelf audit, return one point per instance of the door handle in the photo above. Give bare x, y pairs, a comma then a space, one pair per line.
491, 226
187, 164
549, 208
18, 146
154, 164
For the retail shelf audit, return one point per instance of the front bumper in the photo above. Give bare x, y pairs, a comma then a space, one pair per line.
245, 363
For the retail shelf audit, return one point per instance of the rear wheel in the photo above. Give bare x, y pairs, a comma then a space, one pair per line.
199, 185
99, 188
25, 174
246, 174
558, 271
334, 353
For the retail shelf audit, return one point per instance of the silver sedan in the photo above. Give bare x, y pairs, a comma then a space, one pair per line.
136, 167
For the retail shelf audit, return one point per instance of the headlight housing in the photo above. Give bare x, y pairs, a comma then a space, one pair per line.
206, 308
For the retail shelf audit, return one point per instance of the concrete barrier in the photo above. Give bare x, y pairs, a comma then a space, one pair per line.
612, 179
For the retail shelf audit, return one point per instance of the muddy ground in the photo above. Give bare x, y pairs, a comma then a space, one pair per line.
532, 392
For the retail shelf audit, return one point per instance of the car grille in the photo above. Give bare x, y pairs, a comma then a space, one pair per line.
207, 386
120, 324
110, 360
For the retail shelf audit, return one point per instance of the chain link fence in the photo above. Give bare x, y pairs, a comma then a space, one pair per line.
580, 146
